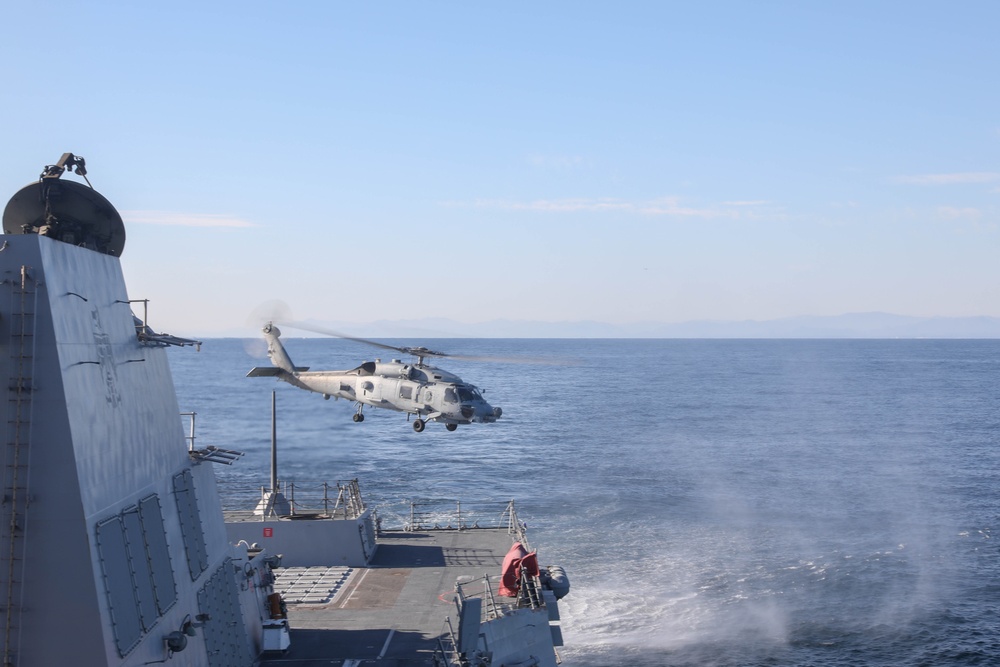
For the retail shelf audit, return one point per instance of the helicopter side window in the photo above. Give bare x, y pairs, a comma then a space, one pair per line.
405, 392
450, 396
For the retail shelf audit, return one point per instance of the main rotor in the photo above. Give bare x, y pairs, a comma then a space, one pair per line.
420, 352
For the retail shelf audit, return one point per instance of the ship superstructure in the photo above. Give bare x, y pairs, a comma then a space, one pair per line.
113, 545
112, 548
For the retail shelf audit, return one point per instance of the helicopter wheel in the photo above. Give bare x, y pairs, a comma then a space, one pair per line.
358, 417
418, 425
451, 427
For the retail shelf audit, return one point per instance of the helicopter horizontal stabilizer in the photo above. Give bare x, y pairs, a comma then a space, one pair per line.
271, 371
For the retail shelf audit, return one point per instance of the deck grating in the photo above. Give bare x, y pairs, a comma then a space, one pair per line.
310, 585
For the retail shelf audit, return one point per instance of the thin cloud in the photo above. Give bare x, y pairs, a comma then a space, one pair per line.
558, 205
665, 206
557, 161
185, 219
968, 219
959, 213
670, 206
951, 179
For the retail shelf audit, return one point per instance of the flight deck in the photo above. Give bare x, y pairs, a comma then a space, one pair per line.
394, 610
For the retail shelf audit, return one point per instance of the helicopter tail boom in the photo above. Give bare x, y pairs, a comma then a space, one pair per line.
276, 351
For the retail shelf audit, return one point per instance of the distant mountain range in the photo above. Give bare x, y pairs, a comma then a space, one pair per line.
853, 325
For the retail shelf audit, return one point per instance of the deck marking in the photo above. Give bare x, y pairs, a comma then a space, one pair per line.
385, 646
356, 585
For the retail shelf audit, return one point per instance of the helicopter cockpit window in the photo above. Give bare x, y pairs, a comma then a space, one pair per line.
449, 396
468, 394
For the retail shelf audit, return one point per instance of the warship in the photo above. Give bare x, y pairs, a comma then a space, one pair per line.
114, 546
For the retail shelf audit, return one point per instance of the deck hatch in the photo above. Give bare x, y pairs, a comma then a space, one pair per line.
122, 604
158, 553
142, 578
190, 518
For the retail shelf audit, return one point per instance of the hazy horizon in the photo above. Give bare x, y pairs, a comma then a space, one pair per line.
849, 325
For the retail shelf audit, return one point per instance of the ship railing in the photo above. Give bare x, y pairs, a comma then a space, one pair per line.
348, 503
447, 652
340, 500
438, 514
487, 587
491, 605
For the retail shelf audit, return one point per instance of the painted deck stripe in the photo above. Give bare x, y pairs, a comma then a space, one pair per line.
385, 647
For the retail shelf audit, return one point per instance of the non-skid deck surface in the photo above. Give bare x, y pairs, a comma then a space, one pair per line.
392, 611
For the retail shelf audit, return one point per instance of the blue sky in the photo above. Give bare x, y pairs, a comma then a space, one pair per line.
617, 162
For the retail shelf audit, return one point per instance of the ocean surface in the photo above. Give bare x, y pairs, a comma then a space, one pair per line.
714, 502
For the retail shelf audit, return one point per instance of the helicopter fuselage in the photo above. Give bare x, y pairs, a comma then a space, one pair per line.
430, 393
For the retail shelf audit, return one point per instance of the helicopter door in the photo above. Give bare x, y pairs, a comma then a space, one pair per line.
371, 389
426, 396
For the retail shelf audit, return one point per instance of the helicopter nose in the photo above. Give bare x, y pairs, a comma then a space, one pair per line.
497, 412
481, 413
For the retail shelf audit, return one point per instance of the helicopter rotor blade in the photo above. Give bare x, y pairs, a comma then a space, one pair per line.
315, 328
419, 352
274, 310
543, 361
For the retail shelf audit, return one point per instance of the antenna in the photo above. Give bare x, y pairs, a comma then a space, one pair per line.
274, 442
272, 501
66, 211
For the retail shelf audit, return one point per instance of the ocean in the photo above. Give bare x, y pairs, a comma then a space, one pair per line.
714, 502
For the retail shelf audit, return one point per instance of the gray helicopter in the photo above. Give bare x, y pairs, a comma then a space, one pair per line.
430, 393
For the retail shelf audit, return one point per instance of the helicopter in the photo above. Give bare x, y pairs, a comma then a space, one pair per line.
430, 393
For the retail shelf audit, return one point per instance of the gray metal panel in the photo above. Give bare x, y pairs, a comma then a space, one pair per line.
157, 553
190, 518
141, 576
225, 634
113, 552
557, 638
367, 529
470, 615
551, 604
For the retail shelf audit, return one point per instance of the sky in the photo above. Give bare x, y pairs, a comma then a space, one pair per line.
559, 161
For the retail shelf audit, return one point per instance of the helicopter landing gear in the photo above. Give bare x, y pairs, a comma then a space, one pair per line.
358, 417
418, 425
451, 427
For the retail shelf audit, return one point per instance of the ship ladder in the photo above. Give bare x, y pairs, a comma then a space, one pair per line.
17, 456
529, 593
446, 654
